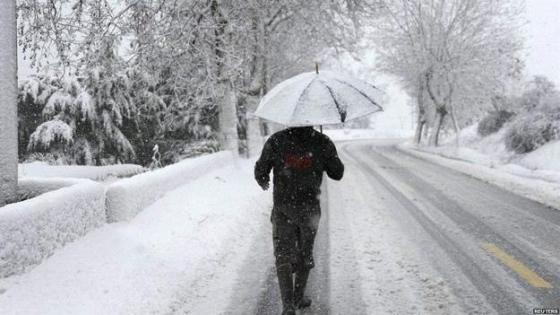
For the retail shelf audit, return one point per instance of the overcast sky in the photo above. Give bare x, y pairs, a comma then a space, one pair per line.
543, 38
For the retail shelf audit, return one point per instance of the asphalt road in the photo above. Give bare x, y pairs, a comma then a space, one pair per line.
404, 235
506, 246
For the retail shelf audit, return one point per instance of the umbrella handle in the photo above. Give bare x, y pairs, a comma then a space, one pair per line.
317, 72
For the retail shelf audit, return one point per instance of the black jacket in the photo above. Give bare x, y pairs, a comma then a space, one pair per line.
298, 157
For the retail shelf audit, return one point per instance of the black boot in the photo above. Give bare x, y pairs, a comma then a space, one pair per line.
301, 301
286, 283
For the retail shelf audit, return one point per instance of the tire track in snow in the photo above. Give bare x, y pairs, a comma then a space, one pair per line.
318, 288
402, 269
269, 301
481, 231
530, 225
515, 201
346, 279
256, 278
498, 297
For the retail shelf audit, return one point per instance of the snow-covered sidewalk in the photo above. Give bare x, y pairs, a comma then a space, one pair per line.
184, 247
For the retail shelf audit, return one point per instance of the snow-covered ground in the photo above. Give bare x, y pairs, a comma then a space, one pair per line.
374, 261
206, 248
127, 197
189, 253
491, 151
181, 250
535, 175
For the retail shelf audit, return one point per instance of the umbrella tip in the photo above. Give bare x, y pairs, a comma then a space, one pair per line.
317, 67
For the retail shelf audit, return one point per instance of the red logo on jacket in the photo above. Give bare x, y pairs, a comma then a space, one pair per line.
298, 162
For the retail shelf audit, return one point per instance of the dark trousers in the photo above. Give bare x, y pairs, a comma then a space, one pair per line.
294, 236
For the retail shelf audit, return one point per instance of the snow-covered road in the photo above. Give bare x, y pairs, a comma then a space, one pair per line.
444, 241
398, 234
402, 235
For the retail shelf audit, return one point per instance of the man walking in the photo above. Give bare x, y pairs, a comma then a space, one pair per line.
298, 157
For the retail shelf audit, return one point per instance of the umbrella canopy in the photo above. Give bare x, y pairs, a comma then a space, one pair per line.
319, 99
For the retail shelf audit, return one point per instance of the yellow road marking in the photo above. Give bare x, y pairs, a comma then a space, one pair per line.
517, 266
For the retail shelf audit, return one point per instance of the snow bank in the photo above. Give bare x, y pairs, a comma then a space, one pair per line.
42, 169
31, 187
129, 196
490, 151
359, 134
31, 230
546, 157
539, 185
349, 134
181, 255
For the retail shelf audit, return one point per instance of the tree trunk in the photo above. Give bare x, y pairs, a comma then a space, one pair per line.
254, 137
418, 132
228, 118
441, 105
226, 93
8, 103
455, 126
254, 124
440, 117
426, 131
421, 109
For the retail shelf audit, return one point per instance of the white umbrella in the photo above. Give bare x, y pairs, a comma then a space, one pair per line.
314, 98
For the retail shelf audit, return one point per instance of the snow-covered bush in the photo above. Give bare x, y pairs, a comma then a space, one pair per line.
493, 122
528, 133
532, 130
129, 196
50, 133
540, 88
32, 97
49, 158
32, 230
176, 151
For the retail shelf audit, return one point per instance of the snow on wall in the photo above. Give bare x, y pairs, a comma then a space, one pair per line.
129, 196
31, 187
33, 229
42, 169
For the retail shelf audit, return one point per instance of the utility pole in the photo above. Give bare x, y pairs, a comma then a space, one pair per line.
8, 102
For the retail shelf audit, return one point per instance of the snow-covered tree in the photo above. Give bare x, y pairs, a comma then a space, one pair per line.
453, 55
32, 97
220, 56
83, 118
281, 39
8, 103
197, 67
540, 90
538, 116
